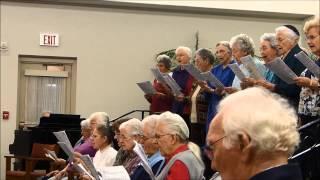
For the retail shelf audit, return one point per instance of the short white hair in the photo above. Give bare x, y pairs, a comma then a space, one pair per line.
266, 117
245, 43
151, 122
271, 38
101, 117
175, 124
290, 34
85, 124
186, 50
134, 127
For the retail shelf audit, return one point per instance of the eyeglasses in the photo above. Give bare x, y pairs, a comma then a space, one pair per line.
158, 136
210, 147
145, 138
311, 37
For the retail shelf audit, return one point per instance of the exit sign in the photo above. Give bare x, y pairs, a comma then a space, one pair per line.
49, 39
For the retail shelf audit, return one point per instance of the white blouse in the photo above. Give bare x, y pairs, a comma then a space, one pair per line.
104, 157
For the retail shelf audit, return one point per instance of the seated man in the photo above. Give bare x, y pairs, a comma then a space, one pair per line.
151, 148
182, 163
254, 142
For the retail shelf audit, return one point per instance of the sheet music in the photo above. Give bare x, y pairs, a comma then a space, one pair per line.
50, 154
147, 87
278, 67
237, 71
81, 169
251, 67
213, 80
62, 137
308, 63
86, 159
114, 173
67, 149
158, 75
138, 149
175, 88
194, 72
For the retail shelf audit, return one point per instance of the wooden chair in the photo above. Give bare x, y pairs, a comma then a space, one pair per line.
37, 154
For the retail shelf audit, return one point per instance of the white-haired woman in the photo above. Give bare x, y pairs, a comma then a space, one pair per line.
268, 51
182, 103
172, 135
130, 131
98, 118
162, 100
242, 45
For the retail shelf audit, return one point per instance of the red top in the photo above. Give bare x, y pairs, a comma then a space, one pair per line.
178, 170
161, 102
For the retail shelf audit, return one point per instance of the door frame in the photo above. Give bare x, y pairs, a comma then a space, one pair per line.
48, 60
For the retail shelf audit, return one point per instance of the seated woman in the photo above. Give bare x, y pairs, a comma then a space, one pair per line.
102, 139
83, 146
106, 155
130, 131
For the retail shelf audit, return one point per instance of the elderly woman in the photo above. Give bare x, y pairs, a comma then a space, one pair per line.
204, 60
268, 51
82, 147
182, 103
309, 104
98, 118
287, 37
172, 135
130, 131
242, 45
151, 148
162, 100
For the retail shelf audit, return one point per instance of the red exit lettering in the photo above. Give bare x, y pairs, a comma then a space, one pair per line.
49, 39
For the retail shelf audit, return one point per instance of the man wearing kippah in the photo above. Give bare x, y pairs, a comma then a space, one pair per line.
287, 37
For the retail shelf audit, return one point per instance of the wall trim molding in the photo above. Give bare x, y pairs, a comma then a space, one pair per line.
168, 8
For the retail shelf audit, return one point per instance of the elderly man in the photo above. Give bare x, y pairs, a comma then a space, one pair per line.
287, 37
130, 131
242, 45
172, 135
181, 104
254, 142
151, 148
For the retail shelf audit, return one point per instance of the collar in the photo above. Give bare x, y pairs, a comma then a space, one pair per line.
181, 148
155, 158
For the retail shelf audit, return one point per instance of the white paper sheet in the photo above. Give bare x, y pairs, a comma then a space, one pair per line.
251, 67
114, 173
86, 159
62, 137
158, 75
67, 149
237, 71
51, 154
138, 149
194, 72
308, 63
81, 169
278, 67
175, 88
213, 80
147, 87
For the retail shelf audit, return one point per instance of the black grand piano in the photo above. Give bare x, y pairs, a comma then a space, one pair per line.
24, 138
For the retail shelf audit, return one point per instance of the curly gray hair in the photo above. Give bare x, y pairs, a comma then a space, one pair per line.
244, 42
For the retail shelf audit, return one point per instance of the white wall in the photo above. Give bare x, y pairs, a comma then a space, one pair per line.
281, 6
115, 49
